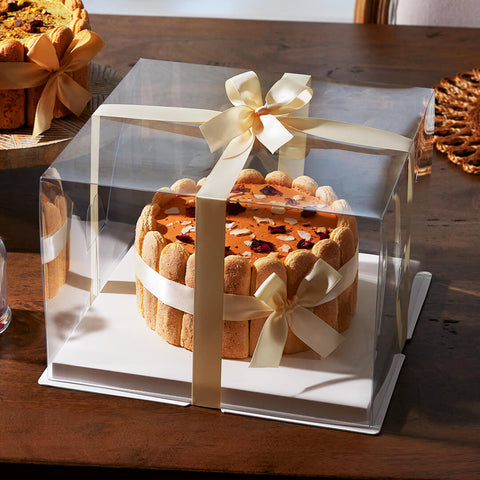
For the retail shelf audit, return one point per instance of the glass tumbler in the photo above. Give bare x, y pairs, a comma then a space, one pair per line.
5, 312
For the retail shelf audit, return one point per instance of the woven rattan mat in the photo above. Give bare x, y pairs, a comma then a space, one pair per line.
457, 119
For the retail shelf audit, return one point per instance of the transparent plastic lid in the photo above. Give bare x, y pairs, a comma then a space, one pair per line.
146, 155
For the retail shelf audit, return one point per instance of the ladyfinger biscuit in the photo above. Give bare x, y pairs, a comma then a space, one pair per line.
305, 184
350, 222
298, 264
80, 13
184, 186
250, 175
12, 102
78, 24
73, 5
261, 270
186, 337
52, 222
344, 237
328, 251
278, 177
341, 205
63, 258
173, 263
237, 273
153, 244
162, 196
201, 182
326, 194
145, 223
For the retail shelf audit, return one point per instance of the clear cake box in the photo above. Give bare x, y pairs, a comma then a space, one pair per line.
93, 194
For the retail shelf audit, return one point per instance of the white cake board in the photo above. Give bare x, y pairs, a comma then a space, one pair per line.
111, 351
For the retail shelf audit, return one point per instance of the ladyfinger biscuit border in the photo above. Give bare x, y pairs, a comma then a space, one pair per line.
240, 341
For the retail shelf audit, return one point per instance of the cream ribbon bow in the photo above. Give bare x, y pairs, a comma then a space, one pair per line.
44, 68
272, 122
251, 118
295, 313
322, 284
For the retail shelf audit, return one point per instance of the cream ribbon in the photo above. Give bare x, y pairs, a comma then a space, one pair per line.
321, 285
271, 124
54, 244
44, 68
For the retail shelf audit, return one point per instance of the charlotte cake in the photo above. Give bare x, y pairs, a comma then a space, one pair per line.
259, 239
21, 22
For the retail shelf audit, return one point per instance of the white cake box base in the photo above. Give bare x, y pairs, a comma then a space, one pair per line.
112, 351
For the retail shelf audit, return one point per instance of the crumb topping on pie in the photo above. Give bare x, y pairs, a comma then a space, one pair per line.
20, 19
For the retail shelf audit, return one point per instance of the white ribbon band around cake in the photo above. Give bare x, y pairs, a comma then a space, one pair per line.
320, 286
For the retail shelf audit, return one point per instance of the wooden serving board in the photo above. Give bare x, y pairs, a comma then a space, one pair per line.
18, 149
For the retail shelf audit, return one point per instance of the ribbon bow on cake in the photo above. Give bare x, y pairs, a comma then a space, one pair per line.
44, 67
296, 314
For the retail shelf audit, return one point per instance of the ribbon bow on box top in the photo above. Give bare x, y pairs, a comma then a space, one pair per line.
44, 68
271, 122
250, 118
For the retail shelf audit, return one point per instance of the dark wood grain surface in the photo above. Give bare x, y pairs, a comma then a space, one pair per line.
432, 428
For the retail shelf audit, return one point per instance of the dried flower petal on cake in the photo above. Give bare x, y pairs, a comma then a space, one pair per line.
190, 212
270, 190
261, 246
239, 188
277, 229
307, 213
185, 238
305, 244
234, 208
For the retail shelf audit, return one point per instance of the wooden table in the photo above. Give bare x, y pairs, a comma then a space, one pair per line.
432, 428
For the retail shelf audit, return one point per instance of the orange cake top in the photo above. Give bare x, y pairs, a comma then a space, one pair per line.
288, 221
